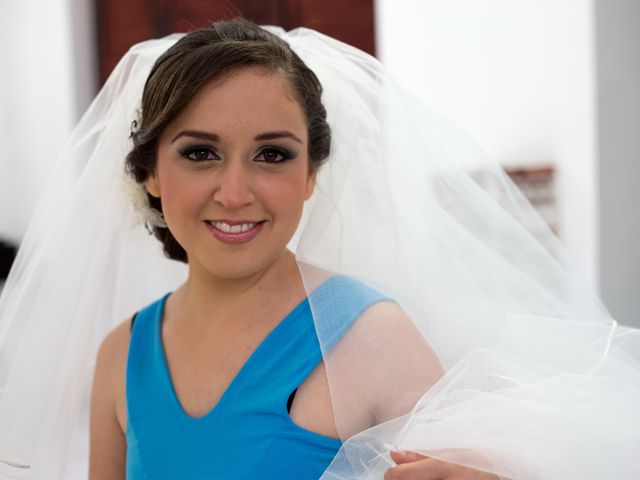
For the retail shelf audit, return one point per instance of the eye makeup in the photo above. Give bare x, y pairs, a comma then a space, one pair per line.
272, 154
204, 153
198, 153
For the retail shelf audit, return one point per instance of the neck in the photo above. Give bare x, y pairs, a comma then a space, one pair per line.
207, 299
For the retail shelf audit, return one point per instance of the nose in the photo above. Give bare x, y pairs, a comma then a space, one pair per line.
233, 188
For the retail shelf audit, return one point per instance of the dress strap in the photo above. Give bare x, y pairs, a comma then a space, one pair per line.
338, 303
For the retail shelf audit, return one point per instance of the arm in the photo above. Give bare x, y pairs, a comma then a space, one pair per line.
108, 447
396, 366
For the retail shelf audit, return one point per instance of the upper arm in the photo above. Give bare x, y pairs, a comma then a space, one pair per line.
107, 459
405, 365
379, 369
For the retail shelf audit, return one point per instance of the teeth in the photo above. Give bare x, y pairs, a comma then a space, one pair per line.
225, 227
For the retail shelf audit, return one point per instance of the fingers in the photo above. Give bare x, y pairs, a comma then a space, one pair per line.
403, 456
414, 466
423, 468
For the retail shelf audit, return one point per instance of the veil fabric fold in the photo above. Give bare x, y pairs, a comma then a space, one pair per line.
493, 354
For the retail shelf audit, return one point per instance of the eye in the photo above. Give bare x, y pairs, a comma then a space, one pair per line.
274, 155
198, 153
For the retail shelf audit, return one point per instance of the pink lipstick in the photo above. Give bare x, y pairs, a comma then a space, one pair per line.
234, 231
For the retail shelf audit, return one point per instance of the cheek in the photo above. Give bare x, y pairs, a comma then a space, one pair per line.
288, 195
181, 195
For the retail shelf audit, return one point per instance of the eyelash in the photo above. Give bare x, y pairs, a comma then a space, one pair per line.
188, 152
285, 153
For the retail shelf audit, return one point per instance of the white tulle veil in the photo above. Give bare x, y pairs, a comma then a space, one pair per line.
534, 379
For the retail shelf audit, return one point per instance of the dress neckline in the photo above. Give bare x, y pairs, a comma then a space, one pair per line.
242, 372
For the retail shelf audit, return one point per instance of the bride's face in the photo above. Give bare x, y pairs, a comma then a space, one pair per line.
233, 172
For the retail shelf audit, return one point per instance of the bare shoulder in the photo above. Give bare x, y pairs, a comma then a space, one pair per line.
386, 324
115, 344
110, 372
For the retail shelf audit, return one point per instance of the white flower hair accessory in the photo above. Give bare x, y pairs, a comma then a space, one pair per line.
138, 197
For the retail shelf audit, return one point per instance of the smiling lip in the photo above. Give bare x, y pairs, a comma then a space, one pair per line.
234, 231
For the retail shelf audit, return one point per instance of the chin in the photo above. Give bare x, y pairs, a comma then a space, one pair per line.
239, 266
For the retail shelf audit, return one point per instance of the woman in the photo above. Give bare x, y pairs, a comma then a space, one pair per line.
224, 159
228, 153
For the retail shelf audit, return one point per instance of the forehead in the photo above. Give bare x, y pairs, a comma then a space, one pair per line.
250, 100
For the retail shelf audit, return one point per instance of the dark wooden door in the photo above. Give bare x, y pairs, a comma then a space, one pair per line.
122, 23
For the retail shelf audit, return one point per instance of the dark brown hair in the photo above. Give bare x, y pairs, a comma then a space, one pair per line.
195, 60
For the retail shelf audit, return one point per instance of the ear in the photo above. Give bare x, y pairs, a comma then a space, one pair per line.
311, 183
152, 185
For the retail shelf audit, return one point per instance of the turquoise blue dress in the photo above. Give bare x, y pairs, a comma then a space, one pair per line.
248, 434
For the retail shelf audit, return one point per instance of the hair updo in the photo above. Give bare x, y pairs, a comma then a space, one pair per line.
192, 62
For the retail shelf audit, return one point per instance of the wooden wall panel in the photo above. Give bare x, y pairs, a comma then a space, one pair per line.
350, 21
122, 23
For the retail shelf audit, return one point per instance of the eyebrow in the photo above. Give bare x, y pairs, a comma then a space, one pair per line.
215, 138
278, 134
196, 134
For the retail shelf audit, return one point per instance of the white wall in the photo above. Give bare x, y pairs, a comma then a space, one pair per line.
44, 44
518, 76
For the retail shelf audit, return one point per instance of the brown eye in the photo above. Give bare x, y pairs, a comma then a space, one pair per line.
274, 155
198, 153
